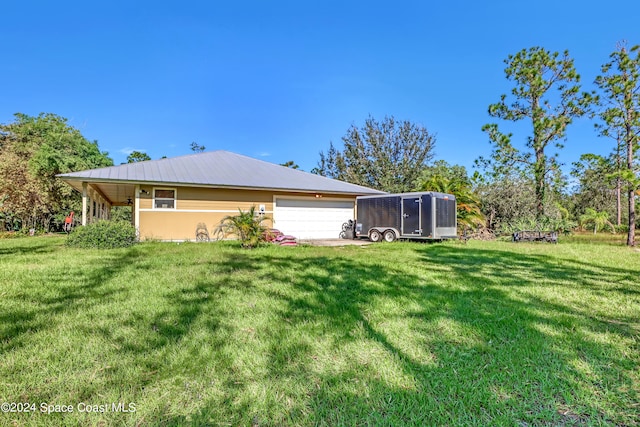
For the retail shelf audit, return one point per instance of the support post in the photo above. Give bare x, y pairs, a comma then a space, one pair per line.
84, 203
136, 211
92, 202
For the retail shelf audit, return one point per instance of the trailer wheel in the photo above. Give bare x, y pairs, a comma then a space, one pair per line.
375, 236
389, 236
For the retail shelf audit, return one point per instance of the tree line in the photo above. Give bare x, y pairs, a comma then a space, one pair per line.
519, 187
511, 187
33, 150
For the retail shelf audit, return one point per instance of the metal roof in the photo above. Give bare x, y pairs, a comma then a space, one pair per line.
217, 169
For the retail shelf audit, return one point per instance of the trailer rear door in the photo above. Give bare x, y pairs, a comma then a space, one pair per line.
411, 224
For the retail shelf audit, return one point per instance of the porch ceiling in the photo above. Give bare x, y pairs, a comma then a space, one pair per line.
118, 194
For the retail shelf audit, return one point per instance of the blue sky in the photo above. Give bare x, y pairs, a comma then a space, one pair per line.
279, 80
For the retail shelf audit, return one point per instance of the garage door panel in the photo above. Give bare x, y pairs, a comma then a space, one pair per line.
312, 219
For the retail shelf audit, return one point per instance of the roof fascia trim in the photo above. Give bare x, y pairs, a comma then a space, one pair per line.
229, 187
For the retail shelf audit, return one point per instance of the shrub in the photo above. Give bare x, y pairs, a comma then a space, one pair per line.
103, 235
623, 228
246, 226
543, 224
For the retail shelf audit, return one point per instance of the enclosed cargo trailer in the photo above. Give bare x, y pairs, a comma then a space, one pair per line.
423, 215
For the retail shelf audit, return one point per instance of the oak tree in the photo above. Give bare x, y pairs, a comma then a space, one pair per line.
389, 155
33, 150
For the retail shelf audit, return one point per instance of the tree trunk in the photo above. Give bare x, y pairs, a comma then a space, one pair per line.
631, 237
618, 202
618, 185
540, 167
539, 172
491, 218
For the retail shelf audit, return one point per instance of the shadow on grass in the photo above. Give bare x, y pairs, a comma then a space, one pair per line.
389, 335
28, 246
493, 341
65, 289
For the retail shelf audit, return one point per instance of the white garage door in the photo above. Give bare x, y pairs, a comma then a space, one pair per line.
312, 219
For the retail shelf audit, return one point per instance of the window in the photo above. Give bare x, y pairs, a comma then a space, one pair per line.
164, 198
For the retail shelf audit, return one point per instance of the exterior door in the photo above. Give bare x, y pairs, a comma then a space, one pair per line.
411, 216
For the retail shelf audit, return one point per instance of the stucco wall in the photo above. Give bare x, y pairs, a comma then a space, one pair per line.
201, 205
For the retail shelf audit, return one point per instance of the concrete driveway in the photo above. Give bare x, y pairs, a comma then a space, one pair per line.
335, 242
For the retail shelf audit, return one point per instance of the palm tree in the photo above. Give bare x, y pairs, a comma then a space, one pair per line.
599, 220
468, 205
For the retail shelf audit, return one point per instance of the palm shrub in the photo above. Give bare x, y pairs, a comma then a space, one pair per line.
468, 212
544, 223
598, 219
246, 226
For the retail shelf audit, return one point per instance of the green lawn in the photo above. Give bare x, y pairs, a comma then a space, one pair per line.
488, 333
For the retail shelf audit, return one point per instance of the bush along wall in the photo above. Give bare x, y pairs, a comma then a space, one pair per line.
103, 235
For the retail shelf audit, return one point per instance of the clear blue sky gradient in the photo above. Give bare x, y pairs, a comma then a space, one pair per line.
279, 80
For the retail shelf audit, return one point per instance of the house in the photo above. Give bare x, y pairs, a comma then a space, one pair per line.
171, 197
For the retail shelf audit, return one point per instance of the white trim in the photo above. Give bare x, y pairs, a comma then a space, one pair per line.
85, 203
332, 198
136, 207
195, 210
153, 198
222, 187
